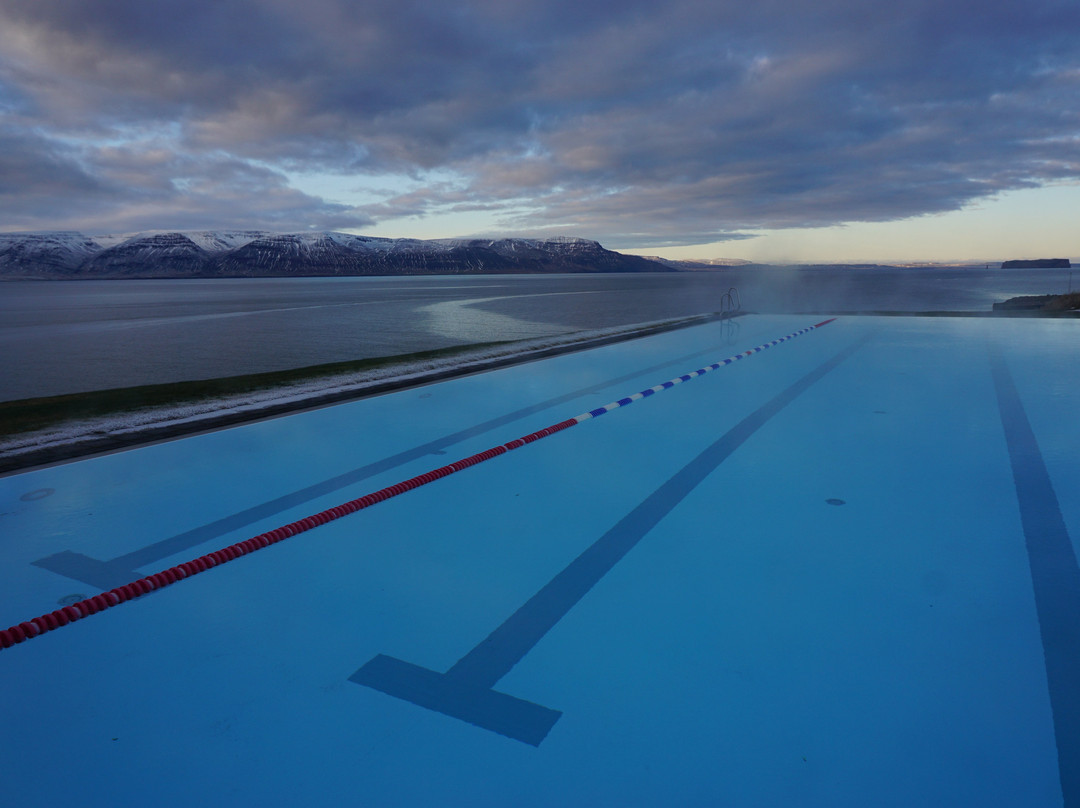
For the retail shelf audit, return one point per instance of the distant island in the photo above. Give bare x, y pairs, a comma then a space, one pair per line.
1038, 263
249, 254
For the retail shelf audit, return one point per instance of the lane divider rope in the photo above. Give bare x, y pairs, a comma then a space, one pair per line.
114, 597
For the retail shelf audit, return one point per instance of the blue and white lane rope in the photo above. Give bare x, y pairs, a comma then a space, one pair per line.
28, 629
622, 402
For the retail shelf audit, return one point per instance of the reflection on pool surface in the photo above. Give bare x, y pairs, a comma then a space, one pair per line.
831, 574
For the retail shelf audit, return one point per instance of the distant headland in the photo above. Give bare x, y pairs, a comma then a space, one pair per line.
1038, 263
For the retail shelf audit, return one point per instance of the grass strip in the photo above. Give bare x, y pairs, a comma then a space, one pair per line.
28, 414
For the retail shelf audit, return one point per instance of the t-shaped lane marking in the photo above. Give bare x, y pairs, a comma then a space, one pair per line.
466, 690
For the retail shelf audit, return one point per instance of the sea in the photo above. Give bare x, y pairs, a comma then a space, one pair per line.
60, 337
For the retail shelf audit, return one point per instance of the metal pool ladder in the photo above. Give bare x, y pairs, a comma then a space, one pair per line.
730, 303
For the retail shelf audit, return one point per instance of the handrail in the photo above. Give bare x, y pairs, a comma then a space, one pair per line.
730, 303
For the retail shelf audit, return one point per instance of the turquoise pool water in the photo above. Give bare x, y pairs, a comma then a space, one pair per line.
835, 573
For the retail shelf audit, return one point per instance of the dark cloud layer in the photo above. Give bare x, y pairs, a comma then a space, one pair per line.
637, 123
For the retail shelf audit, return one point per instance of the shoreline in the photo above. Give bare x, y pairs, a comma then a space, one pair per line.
84, 437
81, 438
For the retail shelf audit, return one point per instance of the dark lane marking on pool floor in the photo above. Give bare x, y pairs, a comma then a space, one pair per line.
1055, 575
466, 691
117, 571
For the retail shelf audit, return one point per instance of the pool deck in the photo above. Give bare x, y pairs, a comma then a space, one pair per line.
838, 572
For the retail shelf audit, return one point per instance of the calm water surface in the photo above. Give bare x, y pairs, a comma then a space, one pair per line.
75, 336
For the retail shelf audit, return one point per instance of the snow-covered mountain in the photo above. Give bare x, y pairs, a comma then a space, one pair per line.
55, 255
165, 254
222, 254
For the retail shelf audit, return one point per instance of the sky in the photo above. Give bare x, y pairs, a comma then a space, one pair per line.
774, 130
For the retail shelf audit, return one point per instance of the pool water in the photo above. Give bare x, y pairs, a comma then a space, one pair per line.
834, 573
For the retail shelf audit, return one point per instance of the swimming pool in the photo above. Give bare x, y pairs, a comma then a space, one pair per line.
828, 574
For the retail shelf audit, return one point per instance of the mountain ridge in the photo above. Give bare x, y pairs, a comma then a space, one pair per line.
59, 255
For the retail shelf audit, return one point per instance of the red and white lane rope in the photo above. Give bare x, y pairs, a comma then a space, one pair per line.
114, 597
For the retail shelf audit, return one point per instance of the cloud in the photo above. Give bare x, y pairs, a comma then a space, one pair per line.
56, 185
636, 123
35, 173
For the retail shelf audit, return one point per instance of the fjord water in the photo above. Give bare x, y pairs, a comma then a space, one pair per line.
77, 336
